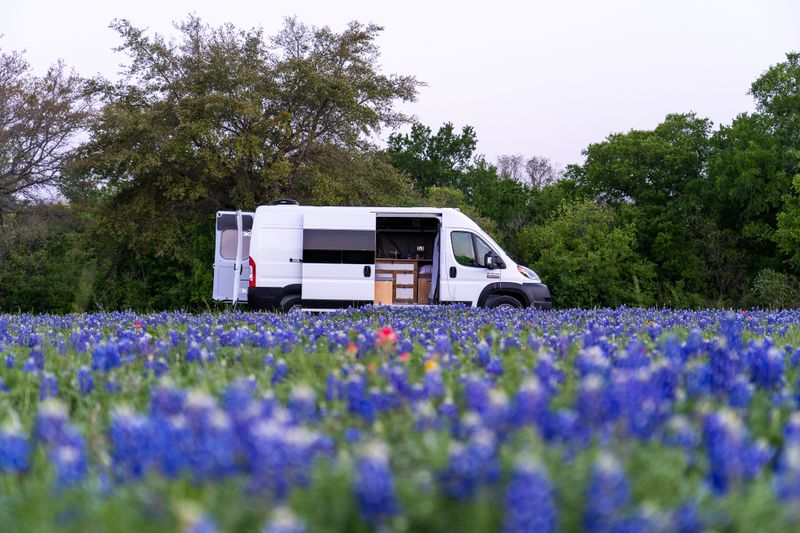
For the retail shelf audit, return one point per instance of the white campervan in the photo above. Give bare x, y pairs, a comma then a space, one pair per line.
287, 256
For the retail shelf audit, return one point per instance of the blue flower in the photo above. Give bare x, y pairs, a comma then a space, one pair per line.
51, 422
529, 500
85, 381
374, 485
303, 403
607, 495
36, 357
280, 372
14, 451
131, 438
434, 385
529, 403
482, 354
358, 402
352, 435
166, 399
767, 364
48, 387
470, 465
495, 367
70, 463
476, 393
787, 475
731, 456
595, 403
105, 357
685, 519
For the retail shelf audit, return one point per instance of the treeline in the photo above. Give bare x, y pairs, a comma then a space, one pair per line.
108, 189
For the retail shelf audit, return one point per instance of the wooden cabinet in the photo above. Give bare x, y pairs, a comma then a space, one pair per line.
405, 279
384, 292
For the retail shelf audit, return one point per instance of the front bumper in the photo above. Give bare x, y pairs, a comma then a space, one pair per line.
538, 295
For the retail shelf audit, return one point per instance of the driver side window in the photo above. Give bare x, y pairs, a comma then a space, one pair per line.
469, 249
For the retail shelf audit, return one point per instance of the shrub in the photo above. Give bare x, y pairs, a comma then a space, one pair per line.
774, 290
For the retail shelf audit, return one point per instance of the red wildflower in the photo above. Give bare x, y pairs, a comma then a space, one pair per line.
386, 336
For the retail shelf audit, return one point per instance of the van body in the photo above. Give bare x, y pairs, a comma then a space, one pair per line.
286, 257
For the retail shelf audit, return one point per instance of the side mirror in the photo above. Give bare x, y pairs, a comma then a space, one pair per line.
489, 261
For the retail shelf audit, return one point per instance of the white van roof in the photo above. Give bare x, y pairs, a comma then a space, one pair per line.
449, 215
375, 209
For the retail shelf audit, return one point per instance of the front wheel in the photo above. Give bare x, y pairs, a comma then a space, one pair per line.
503, 302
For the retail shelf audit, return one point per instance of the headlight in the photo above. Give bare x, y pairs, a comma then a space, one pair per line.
528, 273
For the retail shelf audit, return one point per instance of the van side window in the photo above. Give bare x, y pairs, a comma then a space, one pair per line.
469, 249
463, 250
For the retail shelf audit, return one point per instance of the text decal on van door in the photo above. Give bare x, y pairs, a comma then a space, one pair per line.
493, 275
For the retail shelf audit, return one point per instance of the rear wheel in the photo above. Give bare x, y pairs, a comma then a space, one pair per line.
503, 302
291, 304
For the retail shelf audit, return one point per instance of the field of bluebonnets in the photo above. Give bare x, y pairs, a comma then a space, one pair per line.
416, 419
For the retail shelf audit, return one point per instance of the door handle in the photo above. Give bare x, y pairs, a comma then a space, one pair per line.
453, 272
367, 271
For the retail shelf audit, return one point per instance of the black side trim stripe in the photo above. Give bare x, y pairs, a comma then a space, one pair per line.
347, 257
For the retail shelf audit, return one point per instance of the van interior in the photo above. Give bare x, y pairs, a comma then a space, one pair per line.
406, 260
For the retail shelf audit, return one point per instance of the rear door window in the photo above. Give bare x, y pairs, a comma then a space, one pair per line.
227, 247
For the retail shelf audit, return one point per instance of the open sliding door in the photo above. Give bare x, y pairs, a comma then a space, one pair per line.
338, 258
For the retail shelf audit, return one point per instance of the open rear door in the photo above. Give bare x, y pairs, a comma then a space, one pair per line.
231, 250
338, 258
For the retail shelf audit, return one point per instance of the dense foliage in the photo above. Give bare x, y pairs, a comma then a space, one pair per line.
687, 214
438, 419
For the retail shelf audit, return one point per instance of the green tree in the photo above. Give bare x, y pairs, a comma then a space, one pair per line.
588, 257
450, 197
657, 179
433, 160
777, 95
645, 167
46, 264
342, 176
39, 118
787, 236
504, 201
748, 185
446, 161
224, 118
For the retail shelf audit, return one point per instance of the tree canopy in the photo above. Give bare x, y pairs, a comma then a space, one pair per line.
225, 118
39, 117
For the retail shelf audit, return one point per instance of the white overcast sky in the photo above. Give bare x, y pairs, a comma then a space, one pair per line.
533, 78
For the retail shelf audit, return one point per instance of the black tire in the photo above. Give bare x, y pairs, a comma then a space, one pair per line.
291, 303
503, 302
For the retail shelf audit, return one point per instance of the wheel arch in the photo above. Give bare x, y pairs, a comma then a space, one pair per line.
503, 289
